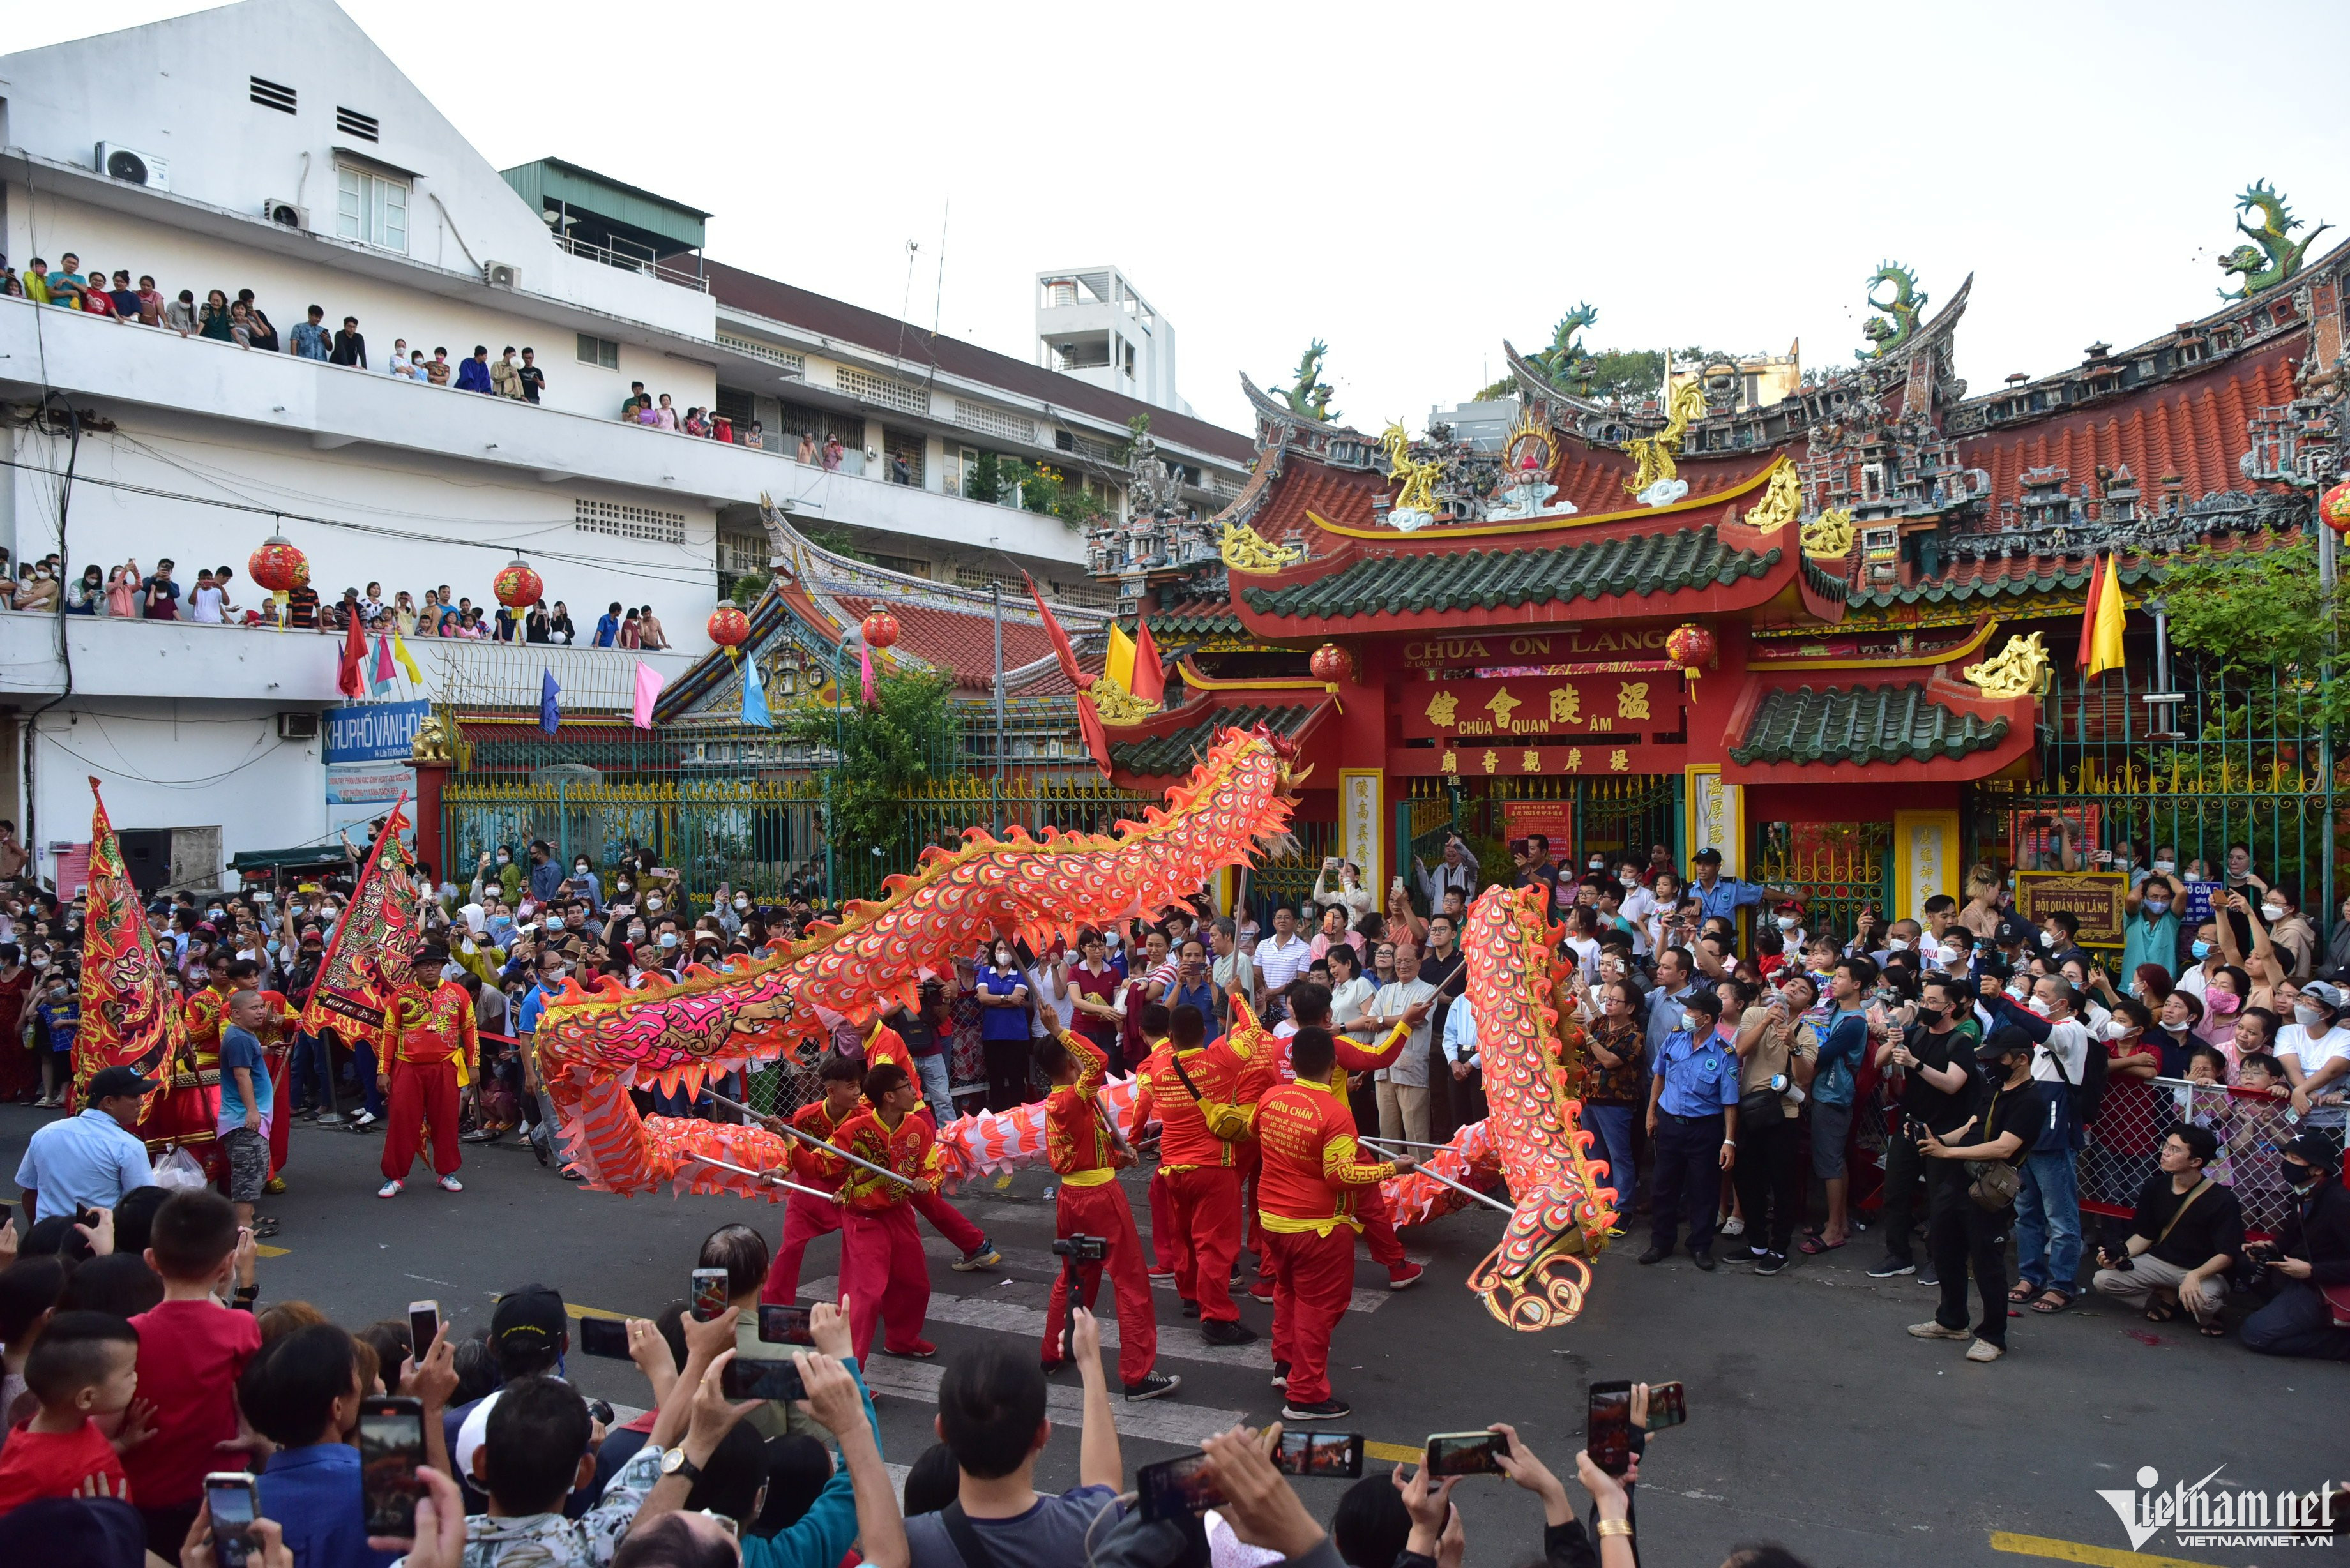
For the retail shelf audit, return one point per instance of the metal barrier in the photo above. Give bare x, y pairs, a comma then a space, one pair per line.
2137, 1114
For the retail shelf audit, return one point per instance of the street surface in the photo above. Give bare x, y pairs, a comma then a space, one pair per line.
1814, 1420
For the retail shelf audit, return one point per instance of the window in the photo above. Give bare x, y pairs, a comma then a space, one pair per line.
351, 123
600, 352
884, 389
628, 522
371, 208
272, 94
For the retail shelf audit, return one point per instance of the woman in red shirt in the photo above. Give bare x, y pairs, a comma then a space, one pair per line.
1093, 991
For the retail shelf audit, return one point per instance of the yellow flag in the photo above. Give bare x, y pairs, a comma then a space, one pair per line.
2105, 632
400, 652
1120, 667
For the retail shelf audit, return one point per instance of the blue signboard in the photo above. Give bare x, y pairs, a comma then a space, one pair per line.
373, 732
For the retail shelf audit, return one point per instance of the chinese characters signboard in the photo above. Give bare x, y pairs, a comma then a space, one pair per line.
1542, 724
2094, 898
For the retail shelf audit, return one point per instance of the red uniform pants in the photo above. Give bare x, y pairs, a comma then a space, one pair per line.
804, 1219
1203, 1210
885, 1276
947, 1221
280, 1064
1378, 1227
1102, 1211
1252, 1237
1313, 1278
1162, 1227
423, 1093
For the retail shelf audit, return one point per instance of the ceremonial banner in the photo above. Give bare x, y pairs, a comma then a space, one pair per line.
379, 929
127, 1017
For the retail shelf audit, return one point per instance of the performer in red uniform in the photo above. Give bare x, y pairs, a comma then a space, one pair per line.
430, 1049
882, 1271
1307, 1201
805, 1218
1193, 1087
1087, 1153
884, 1046
1309, 1007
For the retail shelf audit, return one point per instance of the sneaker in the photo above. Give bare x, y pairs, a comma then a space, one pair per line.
1984, 1350
1756, 1254
365, 1119
1653, 1255
1227, 1331
920, 1350
391, 1188
273, 1186
1155, 1273
983, 1256
1191, 1307
573, 1173
333, 1119
478, 1134
1733, 1226
1156, 1386
1926, 1276
1769, 1263
1260, 1289
1322, 1410
1930, 1329
1234, 1283
1405, 1275
450, 1184
1281, 1375
1890, 1268
1703, 1260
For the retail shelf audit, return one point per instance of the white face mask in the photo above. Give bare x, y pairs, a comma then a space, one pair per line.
2309, 1017
741, 900
580, 869
2166, 867
653, 901
623, 886
1897, 944
1003, 959
2039, 1004
1953, 956
1786, 922
2273, 913
2047, 939
2157, 906
669, 939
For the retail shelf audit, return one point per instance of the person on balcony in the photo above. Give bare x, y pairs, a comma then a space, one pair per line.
532, 379
559, 628
163, 593
437, 371
399, 365
648, 631
311, 338
631, 634
350, 348
474, 375
506, 376
87, 596
538, 624
608, 626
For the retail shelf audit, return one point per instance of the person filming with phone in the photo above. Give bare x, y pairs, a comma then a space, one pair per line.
2308, 1264
1970, 1189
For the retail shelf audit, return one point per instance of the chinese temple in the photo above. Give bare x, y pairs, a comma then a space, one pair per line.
1719, 619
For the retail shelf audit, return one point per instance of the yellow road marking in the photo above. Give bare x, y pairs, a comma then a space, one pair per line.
264, 1250
575, 1310
2078, 1551
1395, 1452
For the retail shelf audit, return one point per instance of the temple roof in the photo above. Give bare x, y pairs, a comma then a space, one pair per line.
1166, 745
1862, 724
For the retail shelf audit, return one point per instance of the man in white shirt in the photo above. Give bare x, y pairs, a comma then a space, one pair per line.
1461, 1051
1638, 904
1231, 969
1457, 871
1281, 959
2054, 998
1403, 1088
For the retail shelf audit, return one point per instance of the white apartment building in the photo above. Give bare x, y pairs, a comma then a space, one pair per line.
270, 146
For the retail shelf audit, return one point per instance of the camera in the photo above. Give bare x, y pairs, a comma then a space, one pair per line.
1915, 1129
1082, 1248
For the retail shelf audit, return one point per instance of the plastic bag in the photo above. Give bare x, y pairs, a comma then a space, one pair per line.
180, 1172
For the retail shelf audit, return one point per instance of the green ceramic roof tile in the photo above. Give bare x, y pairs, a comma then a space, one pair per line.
1861, 725
1177, 751
2070, 576
1407, 584
1192, 618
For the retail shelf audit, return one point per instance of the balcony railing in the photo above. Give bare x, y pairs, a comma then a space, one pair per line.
627, 263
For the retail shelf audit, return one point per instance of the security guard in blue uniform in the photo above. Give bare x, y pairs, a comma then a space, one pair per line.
1693, 1128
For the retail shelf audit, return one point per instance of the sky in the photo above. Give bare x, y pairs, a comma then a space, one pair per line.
1413, 187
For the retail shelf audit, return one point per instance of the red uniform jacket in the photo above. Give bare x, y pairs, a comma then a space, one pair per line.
911, 1151
431, 1026
201, 1015
811, 1167
1194, 1131
1077, 1141
1311, 1164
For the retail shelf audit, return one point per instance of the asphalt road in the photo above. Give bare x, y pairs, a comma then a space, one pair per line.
1813, 1420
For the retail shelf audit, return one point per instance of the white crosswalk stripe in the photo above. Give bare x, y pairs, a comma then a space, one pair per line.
1008, 1316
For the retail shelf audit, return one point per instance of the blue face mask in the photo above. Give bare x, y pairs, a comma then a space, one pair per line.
2200, 949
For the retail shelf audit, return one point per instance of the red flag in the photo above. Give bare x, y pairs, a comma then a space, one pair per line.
351, 678
128, 1020
370, 953
2097, 588
1150, 679
1061, 648
1089, 725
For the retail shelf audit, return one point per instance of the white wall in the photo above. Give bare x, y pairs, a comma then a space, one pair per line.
169, 764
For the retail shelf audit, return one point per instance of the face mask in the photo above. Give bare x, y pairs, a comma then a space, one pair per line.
2200, 949
2047, 939
654, 902
2166, 867
2221, 1002
1786, 922
623, 886
2038, 1005
2309, 1017
1897, 944
1929, 1016
2301, 1176
197, 976
669, 939
741, 900
2157, 906
1003, 959
506, 859
1599, 865
1953, 957
2170, 1028
580, 869
214, 912
2273, 913
1629, 881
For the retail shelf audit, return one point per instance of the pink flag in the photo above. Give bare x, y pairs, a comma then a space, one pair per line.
648, 690
865, 668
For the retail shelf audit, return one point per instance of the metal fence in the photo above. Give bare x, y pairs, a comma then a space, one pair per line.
2138, 1116
1837, 869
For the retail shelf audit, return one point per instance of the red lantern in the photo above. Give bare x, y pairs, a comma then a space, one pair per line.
2334, 507
517, 586
880, 630
278, 565
1332, 664
1690, 646
729, 629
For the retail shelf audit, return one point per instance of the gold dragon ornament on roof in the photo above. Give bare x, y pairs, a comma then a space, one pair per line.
1656, 481
1119, 708
1415, 503
1246, 551
1782, 502
2020, 669
1828, 536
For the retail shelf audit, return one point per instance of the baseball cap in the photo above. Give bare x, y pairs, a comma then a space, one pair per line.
2323, 994
2313, 1150
1708, 856
112, 1081
529, 1319
2005, 1040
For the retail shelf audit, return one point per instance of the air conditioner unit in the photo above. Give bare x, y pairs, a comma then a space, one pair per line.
501, 274
131, 165
298, 726
286, 214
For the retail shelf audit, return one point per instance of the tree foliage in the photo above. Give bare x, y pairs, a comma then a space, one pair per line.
2255, 611
886, 751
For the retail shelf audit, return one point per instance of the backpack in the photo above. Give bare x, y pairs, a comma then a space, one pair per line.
2088, 1095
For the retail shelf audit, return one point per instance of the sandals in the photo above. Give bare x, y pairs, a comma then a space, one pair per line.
1812, 1246
2159, 1313
2023, 1291
2050, 1302
2211, 1329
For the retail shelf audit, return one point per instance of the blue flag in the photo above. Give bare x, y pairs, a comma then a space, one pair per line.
755, 696
548, 717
